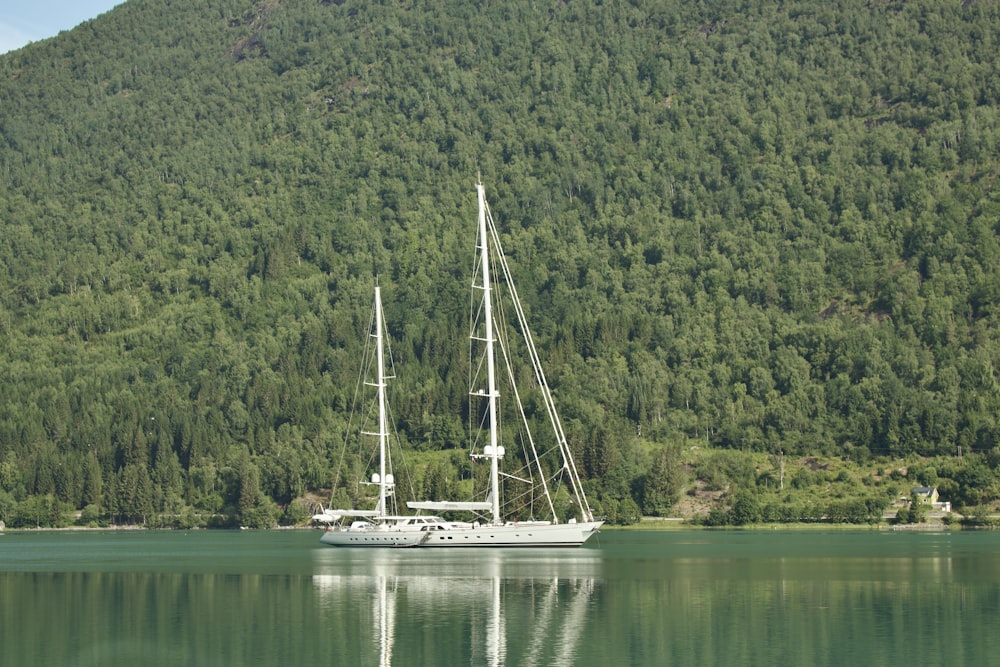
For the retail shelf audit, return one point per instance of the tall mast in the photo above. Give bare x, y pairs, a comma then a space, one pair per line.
493, 452
383, 484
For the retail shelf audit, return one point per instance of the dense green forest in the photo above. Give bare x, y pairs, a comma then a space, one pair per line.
748, 235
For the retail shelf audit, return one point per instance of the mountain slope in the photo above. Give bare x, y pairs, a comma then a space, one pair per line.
754, 225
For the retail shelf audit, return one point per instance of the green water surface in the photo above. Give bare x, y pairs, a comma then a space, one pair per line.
629, 598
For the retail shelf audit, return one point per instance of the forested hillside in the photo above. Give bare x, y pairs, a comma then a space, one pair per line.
745, 232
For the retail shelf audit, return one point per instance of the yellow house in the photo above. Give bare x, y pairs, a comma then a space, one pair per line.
924, 494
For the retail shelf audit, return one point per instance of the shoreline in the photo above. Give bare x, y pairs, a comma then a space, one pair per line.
89, 529
651, 524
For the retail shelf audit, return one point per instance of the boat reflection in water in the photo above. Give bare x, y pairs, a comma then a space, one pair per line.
492, 608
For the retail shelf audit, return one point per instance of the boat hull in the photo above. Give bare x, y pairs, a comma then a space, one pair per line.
507, 535
515, 535
347, 537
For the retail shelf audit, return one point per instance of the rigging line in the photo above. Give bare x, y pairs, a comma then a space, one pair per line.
568, 461
475, 365
503, 342
399, 448
355, 400
387, 345
524, 420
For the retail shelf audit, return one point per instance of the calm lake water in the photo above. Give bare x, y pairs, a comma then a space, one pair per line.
630, 598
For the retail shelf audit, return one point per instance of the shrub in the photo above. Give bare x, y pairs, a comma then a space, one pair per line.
746, 509
92, 517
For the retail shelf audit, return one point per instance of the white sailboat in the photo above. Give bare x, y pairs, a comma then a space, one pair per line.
379, 527
490, 527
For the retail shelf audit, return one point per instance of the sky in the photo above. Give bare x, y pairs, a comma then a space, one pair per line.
23, 21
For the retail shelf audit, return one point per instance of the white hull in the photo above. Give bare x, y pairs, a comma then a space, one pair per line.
515, 535
508, 535
346, 537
